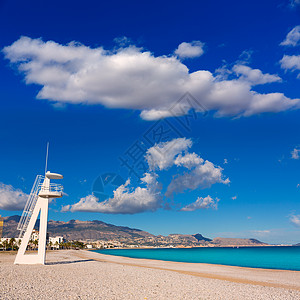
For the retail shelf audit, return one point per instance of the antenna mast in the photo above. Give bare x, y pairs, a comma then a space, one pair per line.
46, 166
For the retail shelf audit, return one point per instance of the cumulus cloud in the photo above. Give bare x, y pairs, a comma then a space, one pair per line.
295, 153
200, 174
290, 62
161, 156
203, 175
202, 203
132, 78
292, 38
190, 50
189, 160
295, 220
126, 200
254, 76
11, 198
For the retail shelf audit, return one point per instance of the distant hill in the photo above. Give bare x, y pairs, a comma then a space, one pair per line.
10, 226
297, 244
98, 230
236, 242
200, 237
79, 230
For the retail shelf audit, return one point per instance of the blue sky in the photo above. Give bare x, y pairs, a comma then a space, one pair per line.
129, 64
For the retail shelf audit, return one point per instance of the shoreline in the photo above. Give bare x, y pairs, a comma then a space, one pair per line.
190, 247
118, 252
183, 262
82, 274
246, 275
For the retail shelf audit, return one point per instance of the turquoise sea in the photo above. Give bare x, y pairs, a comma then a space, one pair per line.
285, 258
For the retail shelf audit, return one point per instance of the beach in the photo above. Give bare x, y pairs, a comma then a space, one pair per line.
71, 274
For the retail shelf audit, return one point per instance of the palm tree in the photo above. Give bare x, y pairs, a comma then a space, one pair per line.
35, 242
5, 244
12, 242
30, 244
50, 244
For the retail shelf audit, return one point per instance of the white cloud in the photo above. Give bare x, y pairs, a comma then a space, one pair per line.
202, 203
272, 102
156, 114
132, 78
234, 197
189, 160
295, 220
294, 3
126, 200
190, 50
11, 198
122, 41
254, 76
161, 156
292, 38
202, 176
260, 233
295, 153
290, 62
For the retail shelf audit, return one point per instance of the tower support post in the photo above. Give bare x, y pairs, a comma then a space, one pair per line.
22, 258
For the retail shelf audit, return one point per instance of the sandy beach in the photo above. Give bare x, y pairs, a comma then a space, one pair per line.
83, 274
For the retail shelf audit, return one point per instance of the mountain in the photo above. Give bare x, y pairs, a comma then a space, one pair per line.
236, 242
79, 230
98, 230
10, 226
297, 244
200, 237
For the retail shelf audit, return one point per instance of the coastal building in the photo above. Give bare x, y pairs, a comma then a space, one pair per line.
34, 235
9, 243
56, 241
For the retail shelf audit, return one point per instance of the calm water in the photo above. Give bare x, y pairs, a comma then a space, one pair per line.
286, 258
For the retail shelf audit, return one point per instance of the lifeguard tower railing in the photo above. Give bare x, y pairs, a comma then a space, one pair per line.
38, 188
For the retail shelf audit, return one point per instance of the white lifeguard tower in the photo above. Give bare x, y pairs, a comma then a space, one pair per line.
37, 202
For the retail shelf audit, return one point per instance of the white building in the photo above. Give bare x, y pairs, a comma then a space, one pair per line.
17, 241
55, 241
34, 235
